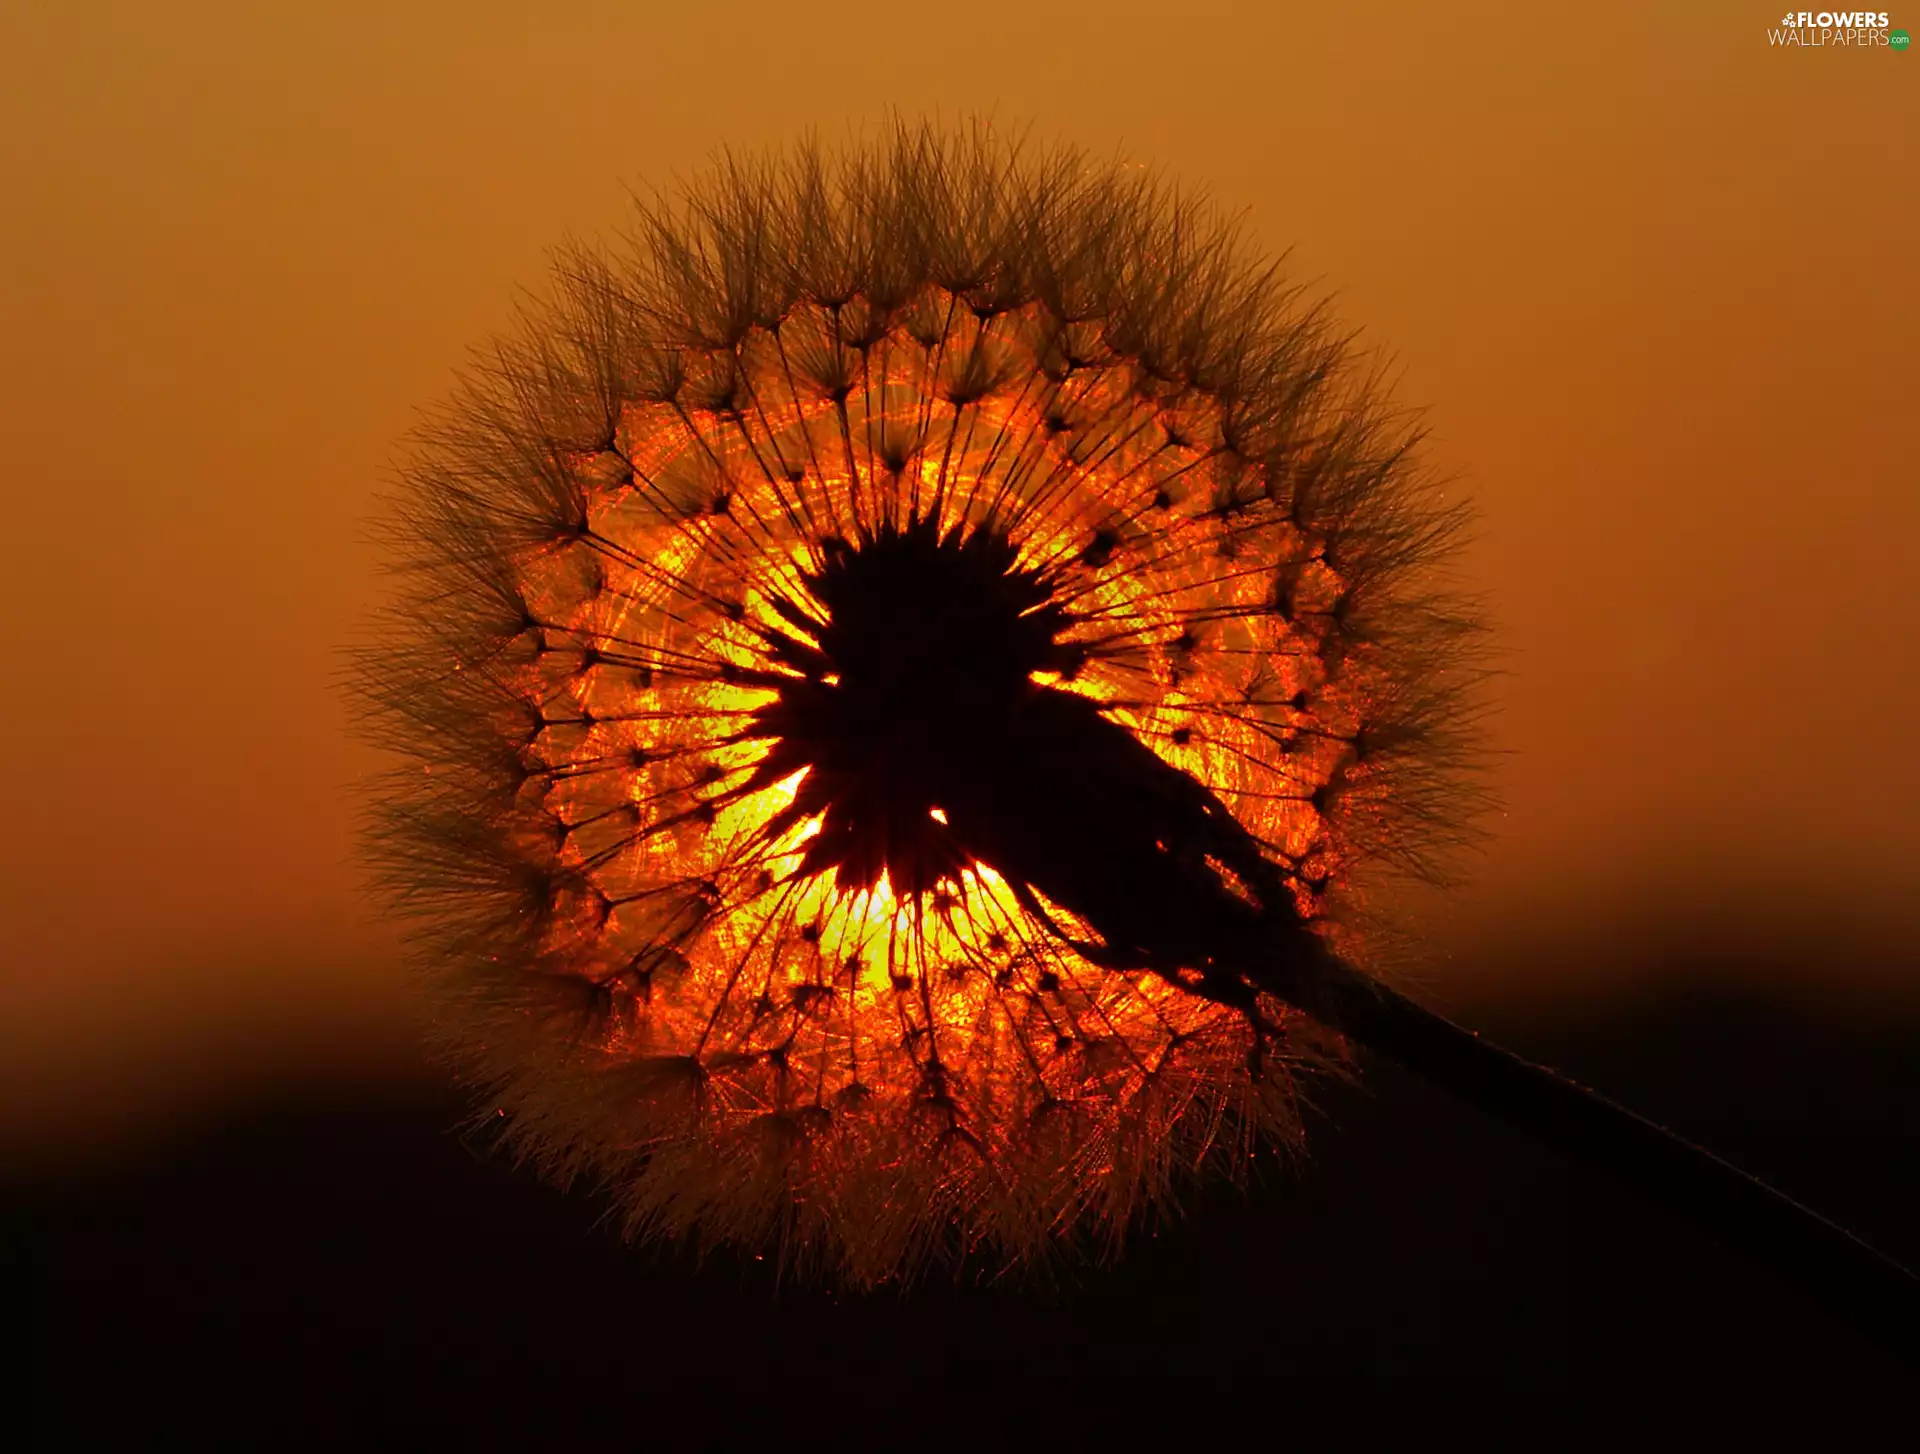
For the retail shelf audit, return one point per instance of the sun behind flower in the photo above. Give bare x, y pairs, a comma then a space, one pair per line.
787, 612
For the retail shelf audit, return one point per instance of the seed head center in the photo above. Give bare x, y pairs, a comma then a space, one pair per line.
928, 646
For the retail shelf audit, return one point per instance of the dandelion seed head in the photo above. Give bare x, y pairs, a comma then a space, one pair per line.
757, 596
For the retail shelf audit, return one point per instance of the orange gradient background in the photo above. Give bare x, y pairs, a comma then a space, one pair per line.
1654, 280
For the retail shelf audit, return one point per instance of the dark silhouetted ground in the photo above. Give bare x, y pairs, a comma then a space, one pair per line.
347, 1269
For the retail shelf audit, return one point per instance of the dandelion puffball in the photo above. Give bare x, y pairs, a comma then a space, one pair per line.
877, 660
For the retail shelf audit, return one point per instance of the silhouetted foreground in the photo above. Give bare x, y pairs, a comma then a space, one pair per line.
351, 1262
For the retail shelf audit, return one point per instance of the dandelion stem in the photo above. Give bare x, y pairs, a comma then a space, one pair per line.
1850, 1280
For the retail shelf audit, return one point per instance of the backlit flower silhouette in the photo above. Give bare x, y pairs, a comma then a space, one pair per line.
880, 660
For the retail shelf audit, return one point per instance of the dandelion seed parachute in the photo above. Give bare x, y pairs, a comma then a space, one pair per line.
723, 583
728, 586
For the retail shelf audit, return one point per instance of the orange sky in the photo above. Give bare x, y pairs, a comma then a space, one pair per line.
1654, 280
